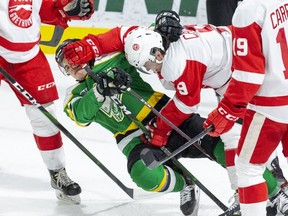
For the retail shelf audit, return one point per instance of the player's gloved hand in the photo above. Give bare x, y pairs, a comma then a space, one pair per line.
114, 81
223, 117
76, 9
167, 23
80, 52
100, 98
158, 137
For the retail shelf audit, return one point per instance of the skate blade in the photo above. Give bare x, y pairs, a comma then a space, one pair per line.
68, 199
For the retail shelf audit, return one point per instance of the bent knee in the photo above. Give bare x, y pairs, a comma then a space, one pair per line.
160, 179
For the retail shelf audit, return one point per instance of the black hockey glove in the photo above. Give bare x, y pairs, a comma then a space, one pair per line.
167, 23
114, 81
79, 9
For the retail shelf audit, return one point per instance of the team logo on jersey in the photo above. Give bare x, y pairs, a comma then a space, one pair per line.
20, 13
135, 47
110, 109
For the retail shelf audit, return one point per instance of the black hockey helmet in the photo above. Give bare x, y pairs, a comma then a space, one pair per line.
167, 23
59, 55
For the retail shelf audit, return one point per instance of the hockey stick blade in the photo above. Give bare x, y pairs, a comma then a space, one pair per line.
151, 162
56, 37
149, 159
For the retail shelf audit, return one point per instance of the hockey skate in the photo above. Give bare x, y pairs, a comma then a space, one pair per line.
271, 210
234, 209
189, 199
281, 201
66, 189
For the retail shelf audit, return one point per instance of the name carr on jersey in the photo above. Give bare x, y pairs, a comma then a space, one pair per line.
279, 16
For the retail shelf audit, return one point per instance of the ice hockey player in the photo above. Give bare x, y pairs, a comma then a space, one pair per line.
258, 91
22, 58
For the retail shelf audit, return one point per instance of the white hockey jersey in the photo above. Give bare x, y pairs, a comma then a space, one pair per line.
261, 58
201, 58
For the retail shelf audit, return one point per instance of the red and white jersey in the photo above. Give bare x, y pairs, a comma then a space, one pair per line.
260, 58
20, 27
201, 58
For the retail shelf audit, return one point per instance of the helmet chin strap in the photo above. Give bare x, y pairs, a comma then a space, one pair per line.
145, 71
158, 62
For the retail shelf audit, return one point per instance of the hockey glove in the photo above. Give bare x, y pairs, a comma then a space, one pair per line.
115, 81
76, 9
80, 52
223, 117
158, 137
167, 24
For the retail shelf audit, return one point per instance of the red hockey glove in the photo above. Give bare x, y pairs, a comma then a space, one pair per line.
75, 9
223, 117
159, 137
80, 52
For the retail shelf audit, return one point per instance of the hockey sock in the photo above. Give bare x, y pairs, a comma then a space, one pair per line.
219, 153
159, 179
272, 184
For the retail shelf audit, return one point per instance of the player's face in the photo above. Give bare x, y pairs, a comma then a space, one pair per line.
156, 65
76, 71
151, 66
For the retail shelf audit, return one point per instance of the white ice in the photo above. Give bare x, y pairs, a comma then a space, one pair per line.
25, 184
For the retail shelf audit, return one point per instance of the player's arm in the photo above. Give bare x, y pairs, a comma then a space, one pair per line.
248, 64
93, 46
81, 108
248, 75
183, 105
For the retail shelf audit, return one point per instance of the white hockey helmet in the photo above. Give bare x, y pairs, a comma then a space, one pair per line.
141, 45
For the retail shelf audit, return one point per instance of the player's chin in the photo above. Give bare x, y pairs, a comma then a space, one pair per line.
80, 75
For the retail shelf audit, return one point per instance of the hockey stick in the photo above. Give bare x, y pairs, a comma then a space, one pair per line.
134, 194
184, 135
165, 150
56, 37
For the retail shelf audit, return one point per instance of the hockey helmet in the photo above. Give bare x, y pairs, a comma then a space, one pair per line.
167, 23
141, 45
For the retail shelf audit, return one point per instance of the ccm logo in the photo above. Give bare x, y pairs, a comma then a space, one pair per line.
94, 47
227, 115
46, 86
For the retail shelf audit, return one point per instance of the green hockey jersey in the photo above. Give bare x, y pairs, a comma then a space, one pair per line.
83, 108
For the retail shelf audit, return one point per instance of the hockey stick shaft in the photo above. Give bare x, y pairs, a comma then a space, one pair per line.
165, 150
56, 37
128, 191
181, 148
